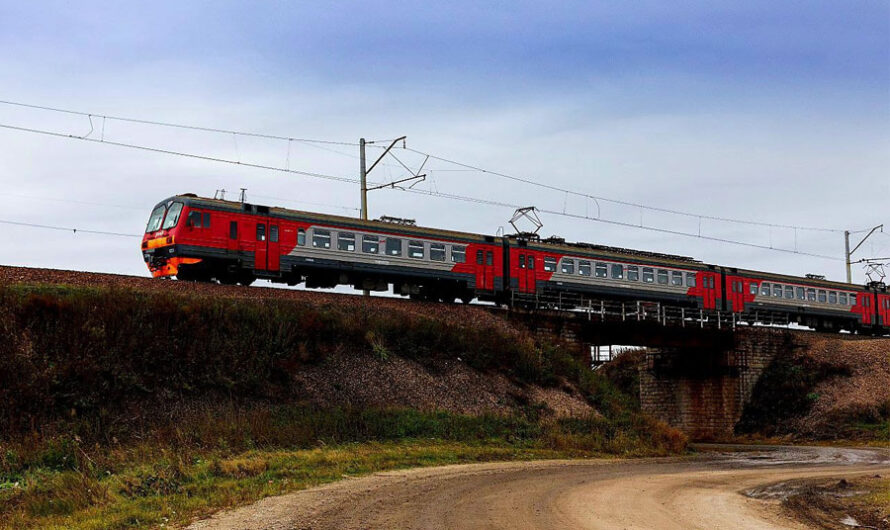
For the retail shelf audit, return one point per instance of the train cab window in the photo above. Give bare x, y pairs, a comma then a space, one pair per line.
550, 264
437, 252
321, 238
480, 257
777, 291
273, 233
393, 246
584, 268
842, 298
346, 241
489, 258
662, 277
617, 271
415, 249
852, 299
157, 216
648, 275
764, 289
601, 270
676, 278
832, 297
206, 220
172, 216
194, 220
800, 293
260, 232
458, 254
690, 279
823, 296
754, 289
370, 245
301, 237
568, 266
522, 261
811, 295
789, 292
633, 273
233, 229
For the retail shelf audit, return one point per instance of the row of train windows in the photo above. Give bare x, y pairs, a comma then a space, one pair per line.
392, 246
617, 271
800, 293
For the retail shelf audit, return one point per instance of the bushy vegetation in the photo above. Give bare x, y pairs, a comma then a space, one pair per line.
123, 408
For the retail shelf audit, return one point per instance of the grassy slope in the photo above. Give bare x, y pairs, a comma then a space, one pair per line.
124, 408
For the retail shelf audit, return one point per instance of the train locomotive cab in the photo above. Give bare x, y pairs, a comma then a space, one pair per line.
160, 251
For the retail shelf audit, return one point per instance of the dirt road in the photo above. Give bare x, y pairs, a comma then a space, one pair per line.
732, 490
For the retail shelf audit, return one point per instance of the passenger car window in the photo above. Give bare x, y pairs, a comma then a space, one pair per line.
832, 297
601, 270
662, 277
633, 273
437, 251
415, 249
321, 238
690, 279
811, 295
754, 289
842, 298
648, 275
549, 264
789, 292
764, 289
346, 241
568, 266
822, 296
393, 246
301, 237
617, 271
676, 278
800, 293
777, 291
584, 268
458, 254
370, 244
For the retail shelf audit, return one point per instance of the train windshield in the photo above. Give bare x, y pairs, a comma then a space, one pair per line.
172, 215
154, 222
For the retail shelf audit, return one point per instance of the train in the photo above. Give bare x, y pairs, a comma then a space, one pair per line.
233, 242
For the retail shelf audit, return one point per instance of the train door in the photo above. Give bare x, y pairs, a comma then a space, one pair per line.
526, 272
735, 293
531, 281
261, 253
273, 248
485, 270
709, 290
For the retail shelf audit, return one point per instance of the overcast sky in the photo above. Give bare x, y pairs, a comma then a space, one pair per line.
770, 111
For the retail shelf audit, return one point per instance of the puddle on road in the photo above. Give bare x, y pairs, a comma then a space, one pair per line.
778, 456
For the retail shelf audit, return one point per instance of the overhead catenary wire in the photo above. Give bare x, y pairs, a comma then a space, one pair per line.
174, 125
620, 202
75, 231
437, 193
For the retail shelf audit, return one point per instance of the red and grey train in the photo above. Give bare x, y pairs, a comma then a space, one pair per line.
200, 239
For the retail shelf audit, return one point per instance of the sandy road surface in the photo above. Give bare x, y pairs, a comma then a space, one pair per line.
706, 492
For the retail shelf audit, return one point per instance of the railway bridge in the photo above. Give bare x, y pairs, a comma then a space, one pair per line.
698, 371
